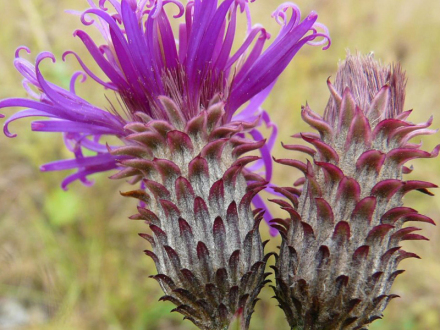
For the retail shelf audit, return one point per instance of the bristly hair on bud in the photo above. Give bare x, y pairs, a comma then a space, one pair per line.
341, 245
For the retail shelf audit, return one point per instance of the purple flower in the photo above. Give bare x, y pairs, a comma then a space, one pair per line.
144, 61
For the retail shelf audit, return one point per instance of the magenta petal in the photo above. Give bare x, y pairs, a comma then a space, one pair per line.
68, 126
105, 159
265, 154
23, 114
210, 37
270, 64
83, 173
108, 69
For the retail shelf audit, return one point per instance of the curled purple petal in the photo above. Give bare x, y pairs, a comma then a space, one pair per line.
80, 162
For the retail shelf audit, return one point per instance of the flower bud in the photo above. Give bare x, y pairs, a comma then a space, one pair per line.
341, 244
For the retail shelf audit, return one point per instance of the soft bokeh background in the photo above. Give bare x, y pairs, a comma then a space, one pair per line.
72, 260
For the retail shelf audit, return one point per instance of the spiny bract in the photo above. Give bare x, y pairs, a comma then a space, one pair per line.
206, 244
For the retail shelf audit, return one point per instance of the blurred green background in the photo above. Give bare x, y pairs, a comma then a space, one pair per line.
72, 260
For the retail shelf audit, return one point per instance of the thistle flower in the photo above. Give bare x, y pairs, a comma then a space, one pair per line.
182, 138
340, 249
145, 62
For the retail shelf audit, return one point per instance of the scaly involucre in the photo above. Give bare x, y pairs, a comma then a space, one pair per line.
206, 244
340, 248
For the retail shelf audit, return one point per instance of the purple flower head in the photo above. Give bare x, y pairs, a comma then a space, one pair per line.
143, 59
148, 64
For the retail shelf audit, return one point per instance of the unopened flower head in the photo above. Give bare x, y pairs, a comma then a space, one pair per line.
340, 247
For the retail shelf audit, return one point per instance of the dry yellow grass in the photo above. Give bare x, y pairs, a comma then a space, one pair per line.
74, 256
